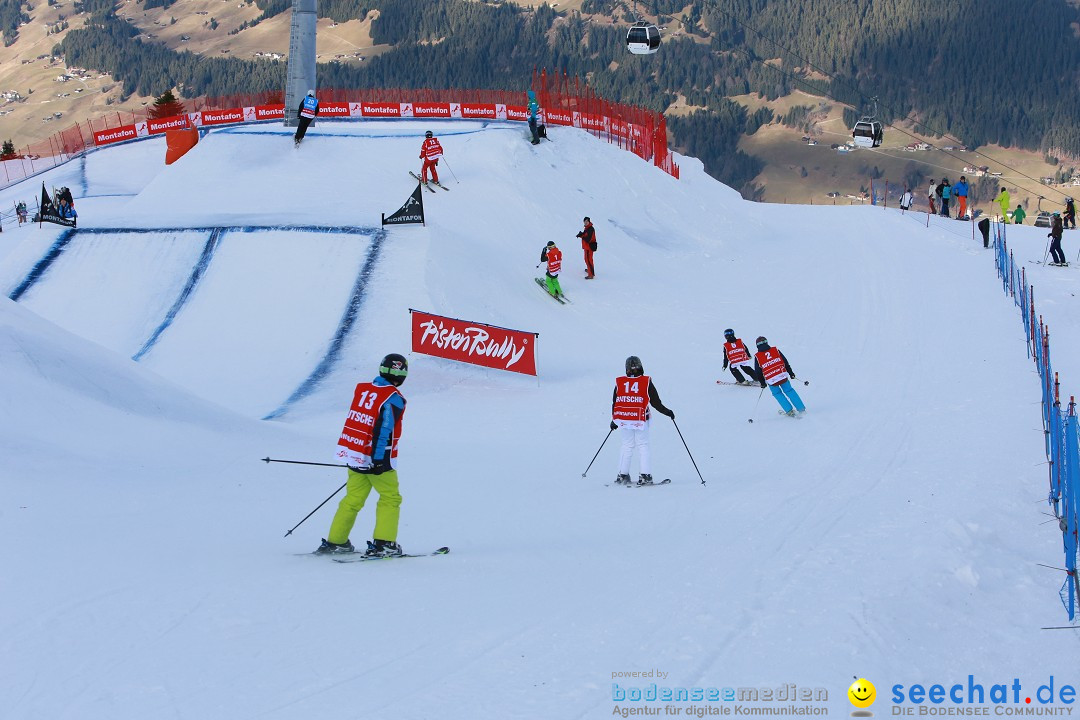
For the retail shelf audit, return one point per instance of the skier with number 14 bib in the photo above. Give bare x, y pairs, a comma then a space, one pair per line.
634, 393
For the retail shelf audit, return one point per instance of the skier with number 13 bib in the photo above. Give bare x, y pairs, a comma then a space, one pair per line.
634, 393
368, 444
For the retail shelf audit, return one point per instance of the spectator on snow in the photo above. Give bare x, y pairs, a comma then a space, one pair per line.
960, 190
945, 191
1018, 215
1055, 246
588, 246
20, 210
984, 228
66, 209
930, 193
1070, 213
906, 199
1003, 201
534, 120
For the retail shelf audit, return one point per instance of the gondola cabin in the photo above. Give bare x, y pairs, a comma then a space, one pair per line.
643, 39
867, 133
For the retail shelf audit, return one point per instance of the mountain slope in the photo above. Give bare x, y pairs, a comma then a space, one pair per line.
892, 533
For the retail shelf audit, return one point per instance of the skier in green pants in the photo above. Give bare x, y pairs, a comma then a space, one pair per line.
369, 446
552, 255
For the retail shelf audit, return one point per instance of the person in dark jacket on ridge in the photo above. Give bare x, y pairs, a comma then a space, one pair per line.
305, 114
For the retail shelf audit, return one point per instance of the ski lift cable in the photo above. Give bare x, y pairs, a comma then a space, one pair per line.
863, 97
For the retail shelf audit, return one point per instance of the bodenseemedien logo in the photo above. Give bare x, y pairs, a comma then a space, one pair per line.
862, 695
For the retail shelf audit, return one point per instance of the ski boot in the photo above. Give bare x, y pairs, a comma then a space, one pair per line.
644, 479
623, 480
383, 548
329, 548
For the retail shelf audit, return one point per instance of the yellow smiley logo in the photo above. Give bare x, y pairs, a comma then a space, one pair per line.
862, 693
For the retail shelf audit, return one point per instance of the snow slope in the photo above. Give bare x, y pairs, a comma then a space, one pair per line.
893, 533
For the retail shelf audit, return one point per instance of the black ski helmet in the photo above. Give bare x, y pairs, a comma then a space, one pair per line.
393, 369
428, 134
729, 333
761, 342
633, 366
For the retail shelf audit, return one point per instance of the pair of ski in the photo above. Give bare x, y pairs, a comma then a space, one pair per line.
429, 183
665, 481
728, 382
355, 557
561, 299
1049, 264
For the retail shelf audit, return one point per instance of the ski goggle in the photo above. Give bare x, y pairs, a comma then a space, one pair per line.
396, 369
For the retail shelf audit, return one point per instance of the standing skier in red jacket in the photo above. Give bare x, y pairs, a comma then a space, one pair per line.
430, 152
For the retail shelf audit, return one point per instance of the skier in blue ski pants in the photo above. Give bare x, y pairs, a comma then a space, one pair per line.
775, 370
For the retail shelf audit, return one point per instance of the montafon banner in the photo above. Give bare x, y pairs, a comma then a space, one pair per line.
474, 343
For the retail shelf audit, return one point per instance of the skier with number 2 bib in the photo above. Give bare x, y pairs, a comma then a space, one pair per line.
634, 393
776, 372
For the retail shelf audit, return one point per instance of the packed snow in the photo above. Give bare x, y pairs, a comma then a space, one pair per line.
893, 533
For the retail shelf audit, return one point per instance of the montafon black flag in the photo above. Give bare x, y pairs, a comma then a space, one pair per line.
49, 213
412, 212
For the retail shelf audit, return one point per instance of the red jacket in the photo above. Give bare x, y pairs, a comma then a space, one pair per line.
431, 149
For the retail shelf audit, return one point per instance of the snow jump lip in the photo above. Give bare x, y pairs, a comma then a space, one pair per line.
330, 354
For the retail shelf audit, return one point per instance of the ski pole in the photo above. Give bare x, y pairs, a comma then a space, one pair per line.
302, 462
1047, 253
597, 452
755, 405
687, 449
316, 509
451, 170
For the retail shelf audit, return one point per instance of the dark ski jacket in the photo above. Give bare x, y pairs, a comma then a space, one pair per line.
1055, 228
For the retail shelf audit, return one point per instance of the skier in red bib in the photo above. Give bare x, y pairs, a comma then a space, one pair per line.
634, 393
368, 444
430, 152
552, 255
738, 358
775, 371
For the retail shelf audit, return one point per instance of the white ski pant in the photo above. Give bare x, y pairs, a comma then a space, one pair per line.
634, 438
